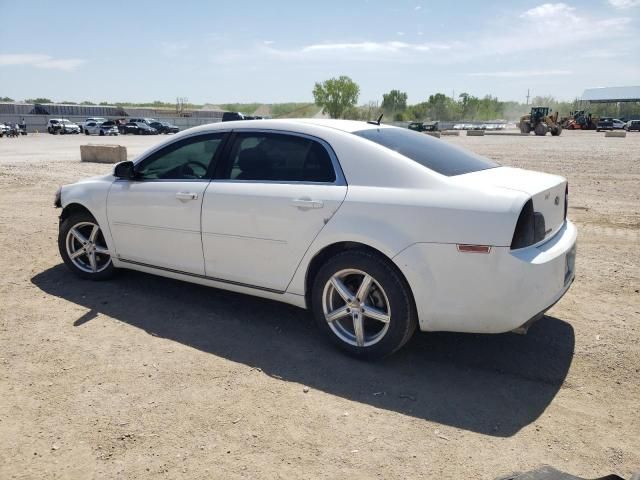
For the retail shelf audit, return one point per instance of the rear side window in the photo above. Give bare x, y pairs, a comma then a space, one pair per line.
430, 152
279, 157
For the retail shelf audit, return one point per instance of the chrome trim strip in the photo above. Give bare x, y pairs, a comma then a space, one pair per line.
244, 237
151, 227
204, 277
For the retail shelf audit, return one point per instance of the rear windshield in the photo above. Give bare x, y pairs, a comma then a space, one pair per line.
430, 152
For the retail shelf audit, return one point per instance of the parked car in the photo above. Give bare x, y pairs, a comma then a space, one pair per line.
91, 120
147, 121
164, 127
4, 129
61, 126
336, 216
234, 116
618, 124
137, 128
424, 126
632, 125
605, 123
106, 128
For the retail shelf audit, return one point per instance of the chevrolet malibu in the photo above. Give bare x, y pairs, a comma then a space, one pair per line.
377, 230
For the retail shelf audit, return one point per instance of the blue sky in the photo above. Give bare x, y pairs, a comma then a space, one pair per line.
274, 51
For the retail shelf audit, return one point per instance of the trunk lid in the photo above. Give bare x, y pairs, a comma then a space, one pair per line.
546, 191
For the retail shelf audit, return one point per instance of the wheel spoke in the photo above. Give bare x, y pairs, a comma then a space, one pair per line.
80, 237
92, 261
102, 250
77, 253
375, 314
342, 289
363, 291
94, 234
336, 314
358, 329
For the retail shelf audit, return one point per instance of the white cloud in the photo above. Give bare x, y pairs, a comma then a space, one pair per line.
39, 61
623, 4
553, 11
419, 7
366, 47
522, 73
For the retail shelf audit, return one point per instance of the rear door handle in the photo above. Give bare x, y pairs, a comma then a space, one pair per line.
186, 196
306, 203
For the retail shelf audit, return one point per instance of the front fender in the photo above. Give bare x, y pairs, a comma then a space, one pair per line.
92, 195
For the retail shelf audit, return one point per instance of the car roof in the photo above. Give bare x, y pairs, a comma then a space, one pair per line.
291, 124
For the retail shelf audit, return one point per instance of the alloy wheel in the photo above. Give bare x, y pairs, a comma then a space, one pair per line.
356, 307
87, 248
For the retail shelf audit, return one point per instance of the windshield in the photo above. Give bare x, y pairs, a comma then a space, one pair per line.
430, 152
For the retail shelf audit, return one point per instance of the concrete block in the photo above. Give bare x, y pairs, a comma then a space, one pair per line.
103, 153
453, 133
433, 134
616, 134
475, 133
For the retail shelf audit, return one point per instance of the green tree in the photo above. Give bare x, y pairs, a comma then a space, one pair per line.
87, 102
336, 95
6, 99
38, 100
394, 101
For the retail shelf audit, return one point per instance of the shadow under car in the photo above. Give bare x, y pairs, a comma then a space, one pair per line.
491, 384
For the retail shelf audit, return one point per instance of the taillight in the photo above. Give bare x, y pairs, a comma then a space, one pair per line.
530, 227
566, 200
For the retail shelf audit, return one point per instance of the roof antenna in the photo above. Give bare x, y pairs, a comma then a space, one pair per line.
376, 122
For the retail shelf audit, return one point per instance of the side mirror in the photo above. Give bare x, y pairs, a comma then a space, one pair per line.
124, 170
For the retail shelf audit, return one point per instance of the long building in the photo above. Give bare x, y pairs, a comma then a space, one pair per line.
37, 115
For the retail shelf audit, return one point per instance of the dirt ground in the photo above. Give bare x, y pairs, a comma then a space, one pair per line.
145, 377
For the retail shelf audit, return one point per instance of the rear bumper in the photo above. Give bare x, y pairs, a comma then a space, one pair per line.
488, 293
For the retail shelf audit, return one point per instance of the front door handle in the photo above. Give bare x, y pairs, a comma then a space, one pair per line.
186, 196
306, 203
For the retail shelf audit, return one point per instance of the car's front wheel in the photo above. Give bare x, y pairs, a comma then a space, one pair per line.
83, 247
363, 304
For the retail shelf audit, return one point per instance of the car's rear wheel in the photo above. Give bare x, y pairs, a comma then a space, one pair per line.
363, 304
83, 247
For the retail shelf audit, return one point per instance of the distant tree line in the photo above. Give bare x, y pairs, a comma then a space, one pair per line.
339, 98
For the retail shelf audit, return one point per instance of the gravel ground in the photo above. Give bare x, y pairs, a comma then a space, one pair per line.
145, 377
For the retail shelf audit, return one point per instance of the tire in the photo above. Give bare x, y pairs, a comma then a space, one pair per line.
83, 224
525, 128
541, 130
388, 293
86, 132
556, 131
101, 133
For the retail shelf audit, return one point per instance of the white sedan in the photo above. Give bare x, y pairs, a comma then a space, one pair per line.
376, 229
107, 127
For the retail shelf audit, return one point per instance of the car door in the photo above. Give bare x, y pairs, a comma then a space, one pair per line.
155, 219
272, 198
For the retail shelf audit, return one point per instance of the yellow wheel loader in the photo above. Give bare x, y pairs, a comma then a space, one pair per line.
540, 122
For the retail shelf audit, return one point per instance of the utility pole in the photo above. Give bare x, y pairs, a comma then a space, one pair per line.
527, 96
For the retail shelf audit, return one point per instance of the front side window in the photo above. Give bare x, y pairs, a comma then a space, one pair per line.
279, 157
189, 159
